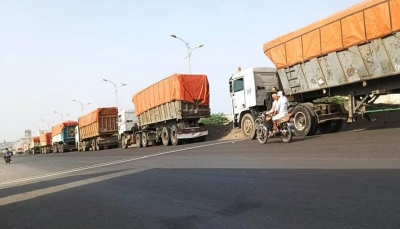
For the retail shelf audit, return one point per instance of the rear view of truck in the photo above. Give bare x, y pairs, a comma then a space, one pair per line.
34, 145
63, 137
98, 129
169, 111
46, 143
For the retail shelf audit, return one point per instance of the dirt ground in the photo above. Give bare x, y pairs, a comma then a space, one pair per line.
377, 121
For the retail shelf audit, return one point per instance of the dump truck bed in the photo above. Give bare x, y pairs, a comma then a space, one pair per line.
179, 96
102, 121
64, 131
358, 44
45, 139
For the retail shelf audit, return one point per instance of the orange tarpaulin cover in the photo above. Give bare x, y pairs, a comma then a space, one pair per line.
93, 116
45, 139
181, 87
358, 24
57, 129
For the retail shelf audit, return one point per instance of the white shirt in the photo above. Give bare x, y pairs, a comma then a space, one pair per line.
274, 104
282, 106
6, 152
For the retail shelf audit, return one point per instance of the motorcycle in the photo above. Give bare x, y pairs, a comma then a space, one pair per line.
7, 159
264, 129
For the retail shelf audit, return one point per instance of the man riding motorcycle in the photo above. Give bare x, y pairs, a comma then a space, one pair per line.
7, 153
281, 110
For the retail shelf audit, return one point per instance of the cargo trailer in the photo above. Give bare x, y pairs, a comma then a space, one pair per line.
169, 111
98, 129
34, 145
63, 137
46, 143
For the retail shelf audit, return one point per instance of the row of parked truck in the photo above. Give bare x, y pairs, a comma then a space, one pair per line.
354, 53
165, 113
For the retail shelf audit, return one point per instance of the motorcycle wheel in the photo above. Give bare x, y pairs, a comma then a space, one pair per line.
286, 133
262, 135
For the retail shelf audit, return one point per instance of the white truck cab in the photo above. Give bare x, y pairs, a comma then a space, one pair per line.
127, 122
250, 90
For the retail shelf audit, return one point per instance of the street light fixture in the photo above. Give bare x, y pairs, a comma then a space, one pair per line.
82, 105
116, 89
189, 50
48, 123
62, 116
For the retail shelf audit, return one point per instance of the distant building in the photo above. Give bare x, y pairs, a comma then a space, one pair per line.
5, 144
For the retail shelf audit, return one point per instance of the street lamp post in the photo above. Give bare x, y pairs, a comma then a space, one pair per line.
189, 50
116, 89
62, 116
48, 123
82, 105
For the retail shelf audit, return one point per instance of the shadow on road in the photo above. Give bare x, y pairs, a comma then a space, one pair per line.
49, 183
214, 198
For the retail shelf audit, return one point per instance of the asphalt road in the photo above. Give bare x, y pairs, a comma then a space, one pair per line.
341, 180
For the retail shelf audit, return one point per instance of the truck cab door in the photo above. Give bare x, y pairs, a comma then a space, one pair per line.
237, 95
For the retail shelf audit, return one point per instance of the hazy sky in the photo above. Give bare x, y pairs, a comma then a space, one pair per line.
52, 52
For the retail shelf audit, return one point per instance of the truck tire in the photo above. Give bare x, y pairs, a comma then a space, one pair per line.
138, 140
330, 126
202, 138
165, 136
93, 145
304, 122
174, 135
326, 127
310, 108
247, 127
124, 142
145, 141
338, 124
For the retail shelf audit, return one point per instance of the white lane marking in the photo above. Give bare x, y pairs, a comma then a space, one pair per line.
103, 165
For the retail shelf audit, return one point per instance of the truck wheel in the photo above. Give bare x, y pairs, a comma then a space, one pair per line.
337, 125
124, 142
330, 126
304, 122
93, 145
138, 140
165, 136
174, 135
202, 138
314, 129
144, 139
326, 127
247, 127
